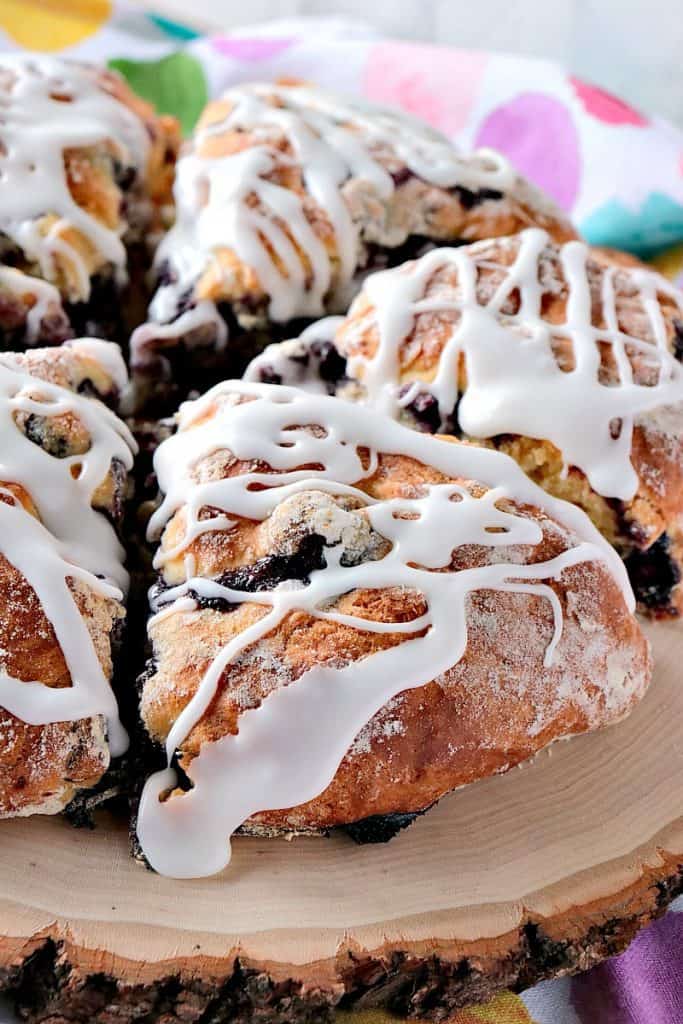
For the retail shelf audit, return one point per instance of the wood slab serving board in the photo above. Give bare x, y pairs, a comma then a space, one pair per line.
541, 871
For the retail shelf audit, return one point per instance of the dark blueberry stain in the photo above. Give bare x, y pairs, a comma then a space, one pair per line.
469, 198
654, 574
425, 409
331, 365
268, 375
124, 175
401, 176
678, 340
264, 574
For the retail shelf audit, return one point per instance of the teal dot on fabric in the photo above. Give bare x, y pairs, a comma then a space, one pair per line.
173, 28
657, 225
174, 85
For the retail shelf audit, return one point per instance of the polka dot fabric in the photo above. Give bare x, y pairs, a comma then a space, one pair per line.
617, 173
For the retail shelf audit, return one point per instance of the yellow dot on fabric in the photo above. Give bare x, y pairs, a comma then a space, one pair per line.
670, 263
504, 1009
52, 24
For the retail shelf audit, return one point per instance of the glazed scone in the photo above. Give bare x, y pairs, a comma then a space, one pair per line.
285, 197
352, 619
565, 358
65, 462
86, 171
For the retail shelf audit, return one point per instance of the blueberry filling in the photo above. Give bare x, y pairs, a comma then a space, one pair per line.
678, 340
268, 375
331, 365
264, 574
124, 175
469, 198
401, 176
654, 574
425, 409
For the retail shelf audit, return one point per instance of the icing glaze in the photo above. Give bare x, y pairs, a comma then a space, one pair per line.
70, 539
332, 141
49, 105
288, 749
514, 382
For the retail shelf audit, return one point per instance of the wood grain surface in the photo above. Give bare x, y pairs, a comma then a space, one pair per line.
538, 872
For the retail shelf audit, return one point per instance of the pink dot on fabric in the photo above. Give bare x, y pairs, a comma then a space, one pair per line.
605, 107
539, 136
249, 50
436, 84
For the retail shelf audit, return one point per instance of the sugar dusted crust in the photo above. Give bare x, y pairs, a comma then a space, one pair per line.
42, 767
496, 707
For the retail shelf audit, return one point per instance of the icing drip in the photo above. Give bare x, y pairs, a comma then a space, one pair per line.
331, 141
288, 749
514, 382
70, 540
47, 106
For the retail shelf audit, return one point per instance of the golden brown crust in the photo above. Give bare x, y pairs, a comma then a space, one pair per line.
42, 767
496, 707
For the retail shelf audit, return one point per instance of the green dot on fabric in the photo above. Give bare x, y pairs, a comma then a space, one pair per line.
175, 85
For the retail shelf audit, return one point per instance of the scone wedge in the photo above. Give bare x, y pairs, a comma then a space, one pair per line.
352, 619
64, 463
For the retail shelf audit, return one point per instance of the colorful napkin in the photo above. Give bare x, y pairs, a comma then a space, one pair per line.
618, 173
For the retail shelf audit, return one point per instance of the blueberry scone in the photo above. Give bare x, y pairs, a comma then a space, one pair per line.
566, 358
352, 618
86, 171
285, 197
65, 460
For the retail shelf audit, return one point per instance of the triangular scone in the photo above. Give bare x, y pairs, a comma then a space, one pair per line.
285, 197
86, 170
565, 357
352, 619
64, 460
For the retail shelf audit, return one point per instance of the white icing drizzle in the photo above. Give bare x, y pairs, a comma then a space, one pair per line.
289, 748
331, 141
53, 105
70, 541
514, 384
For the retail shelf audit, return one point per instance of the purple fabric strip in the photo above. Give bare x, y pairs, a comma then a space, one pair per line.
642, 986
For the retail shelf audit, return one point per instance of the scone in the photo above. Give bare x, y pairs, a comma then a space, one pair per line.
285, 196
352, 619
564, 357
65, 459
86, 170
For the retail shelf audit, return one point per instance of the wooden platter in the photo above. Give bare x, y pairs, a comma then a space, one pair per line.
538, 872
